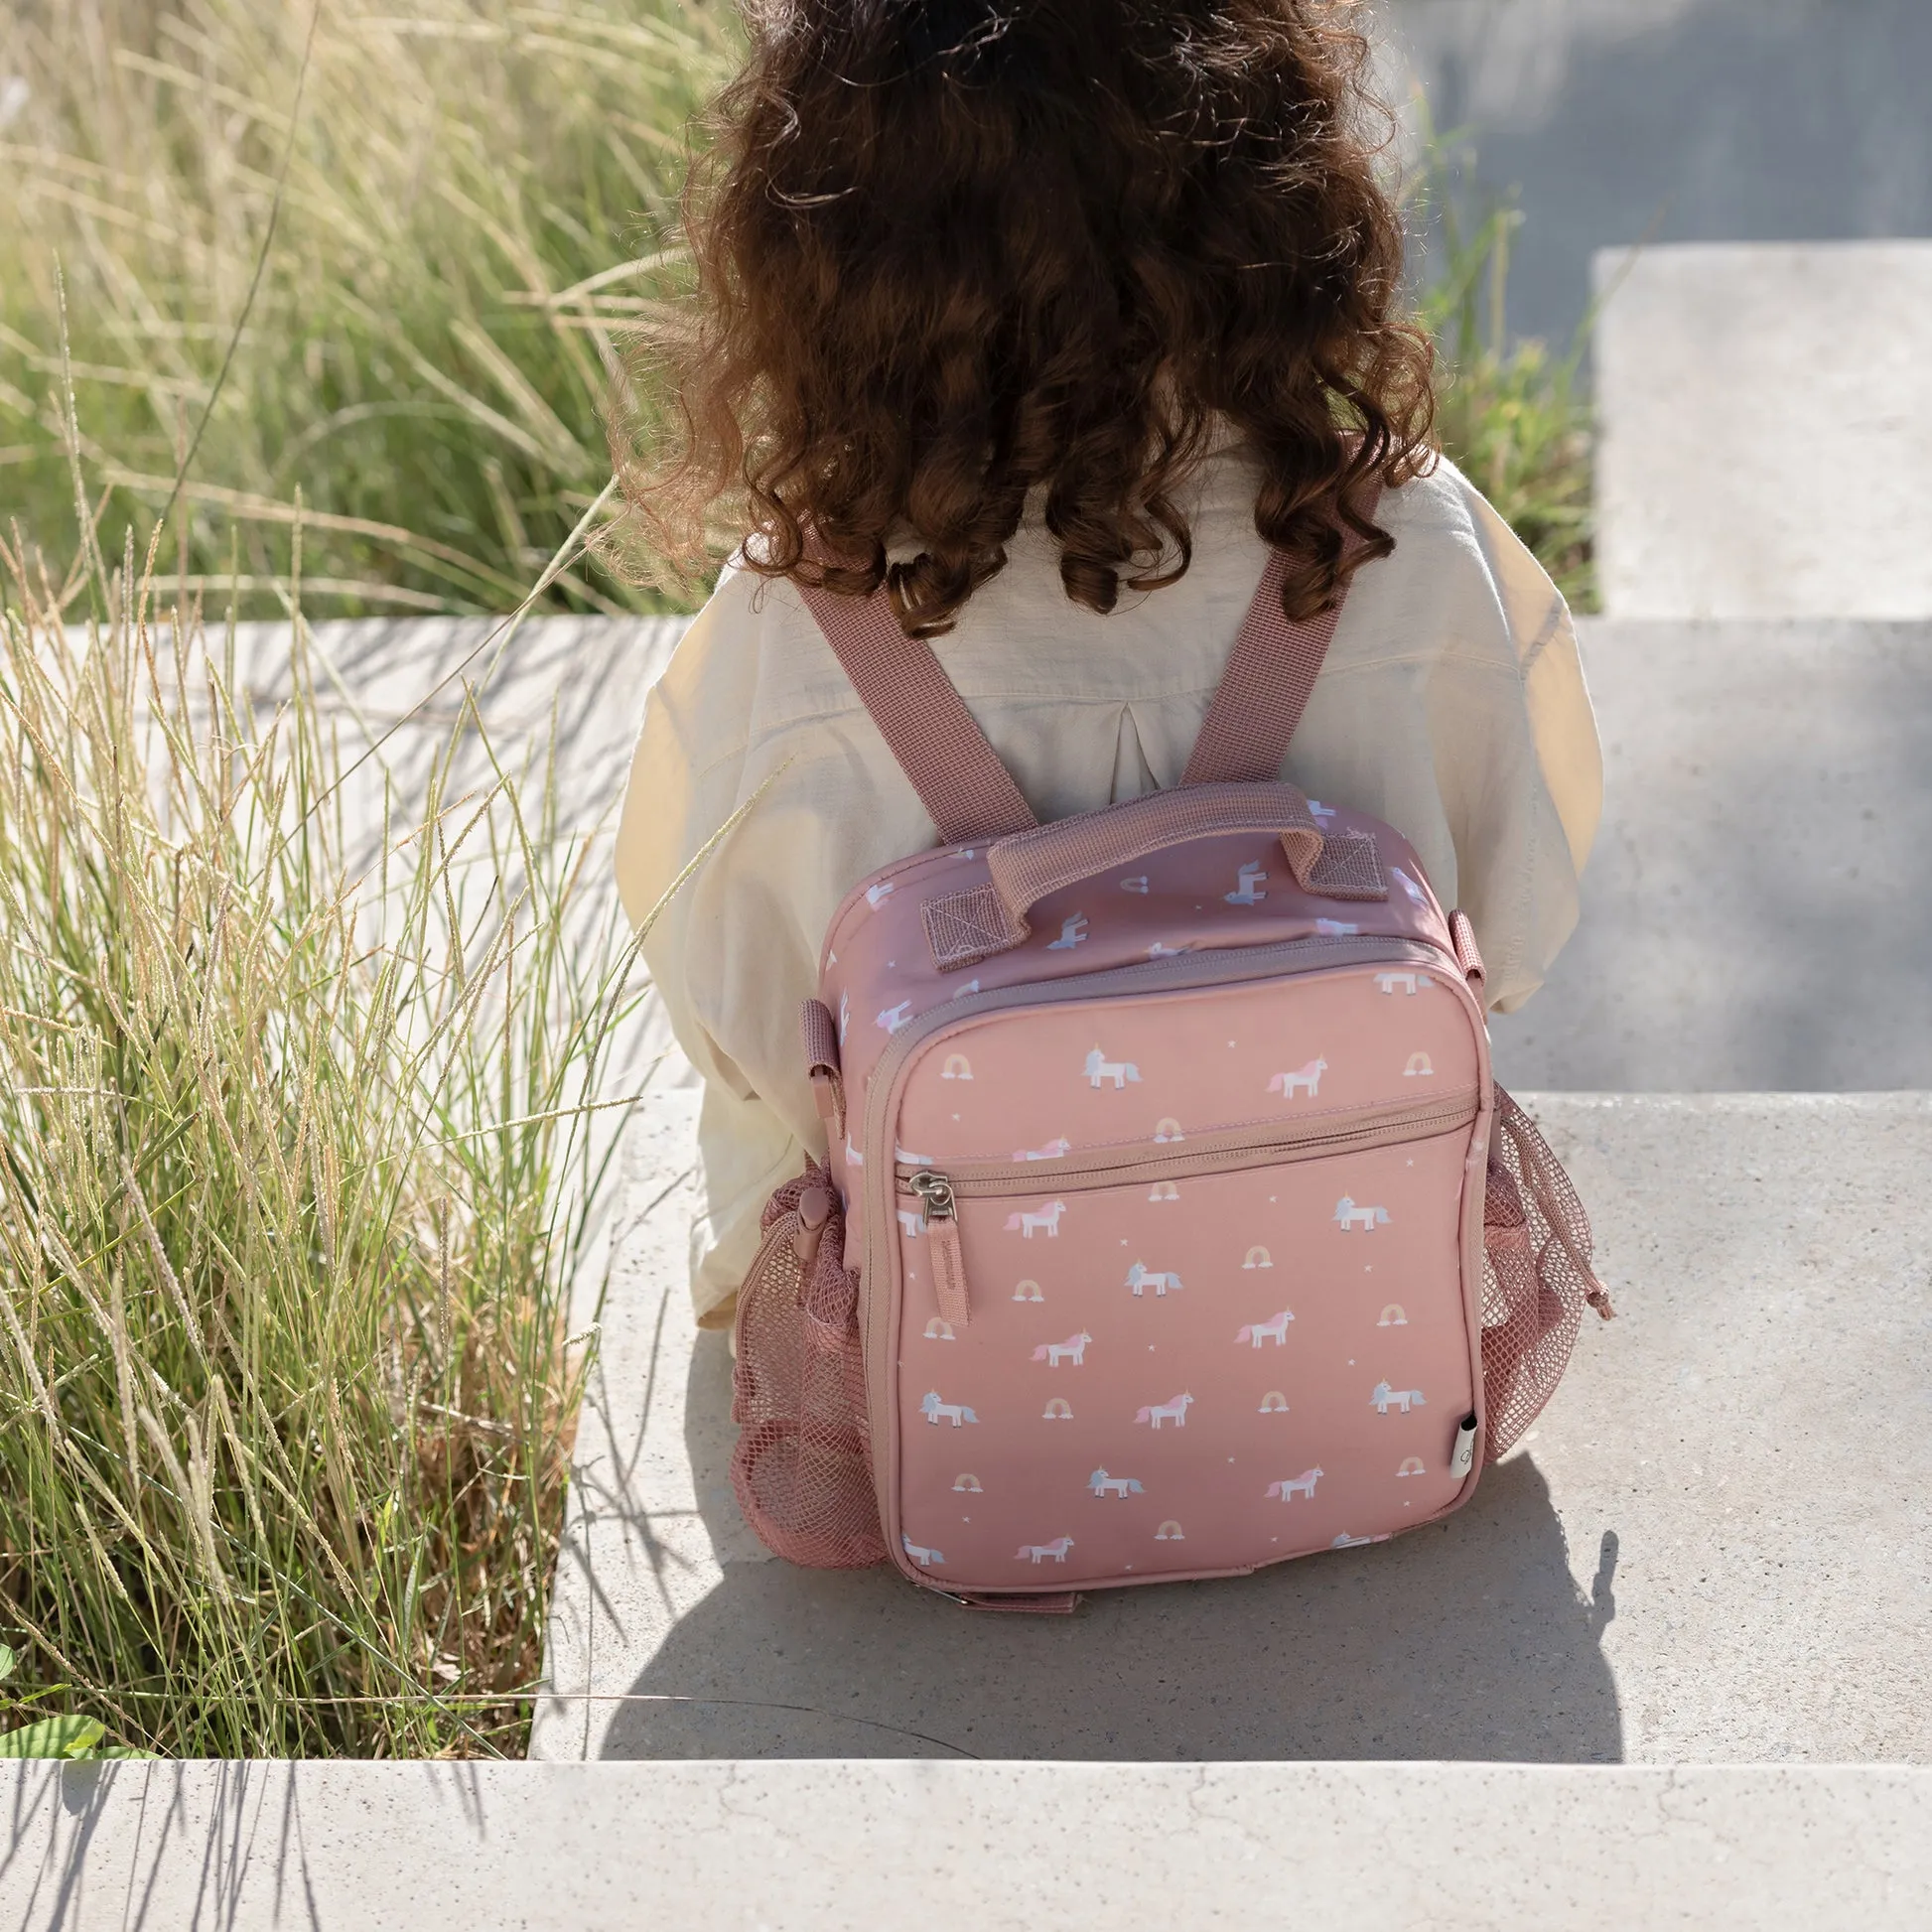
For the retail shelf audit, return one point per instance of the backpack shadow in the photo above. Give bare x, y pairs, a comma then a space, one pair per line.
1468, 1638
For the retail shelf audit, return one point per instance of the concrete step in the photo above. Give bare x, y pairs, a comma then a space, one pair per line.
1765, 430
995, 1847
1754, 915
1712, 1546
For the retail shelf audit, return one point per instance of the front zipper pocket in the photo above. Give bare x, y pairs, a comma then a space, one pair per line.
935, 1194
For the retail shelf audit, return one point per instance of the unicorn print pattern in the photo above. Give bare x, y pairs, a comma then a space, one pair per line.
1385, 1397
1034, 1551
1247, 887
1175, 1411
876, 896
1120, 1072
1274, 1330
1045, 1218
1291, 1486
925, 1558
1308, 1078
1139, 1278
1073, 1349
1348, 1215
1073, 933
892, 1019
935, 1411
1054, 1149
1102, 1484
1409, 982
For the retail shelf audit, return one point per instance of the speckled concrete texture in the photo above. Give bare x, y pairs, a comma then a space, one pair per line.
996, 1847
1755, 913
1713, 1545
1764, 443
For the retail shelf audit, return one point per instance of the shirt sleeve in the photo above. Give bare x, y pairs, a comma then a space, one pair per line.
1518, 762
687, 781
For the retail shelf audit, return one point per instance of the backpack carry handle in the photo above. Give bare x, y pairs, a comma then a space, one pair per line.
1028, 867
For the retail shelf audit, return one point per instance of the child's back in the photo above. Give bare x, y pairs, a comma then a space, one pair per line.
1006, 394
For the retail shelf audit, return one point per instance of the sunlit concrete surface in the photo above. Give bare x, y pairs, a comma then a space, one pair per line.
1712, 1546
1757, 912
983, 1847
1764, 431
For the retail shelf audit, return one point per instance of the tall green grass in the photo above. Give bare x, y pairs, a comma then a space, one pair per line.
478, 198
1511, 412
295, 1172
472, 197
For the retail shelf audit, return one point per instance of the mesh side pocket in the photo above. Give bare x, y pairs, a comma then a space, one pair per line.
802, 1466
1536, 1276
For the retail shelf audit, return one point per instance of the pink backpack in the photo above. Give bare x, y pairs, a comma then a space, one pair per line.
1173, 1224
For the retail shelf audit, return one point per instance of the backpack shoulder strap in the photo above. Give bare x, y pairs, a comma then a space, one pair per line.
1262, 692
924, 722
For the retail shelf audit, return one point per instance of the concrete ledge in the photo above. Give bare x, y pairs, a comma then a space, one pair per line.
1713, 1545
1765, 443
820, 1847
1755, 913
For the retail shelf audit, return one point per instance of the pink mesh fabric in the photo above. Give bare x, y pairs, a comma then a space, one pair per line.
802, 1466
1536, 1276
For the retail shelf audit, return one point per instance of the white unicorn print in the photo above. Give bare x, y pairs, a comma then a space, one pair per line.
893, 1018
1175, 1411
1073, 933
1384, 1396
1158, 952
912, 1221
1416, 893
1319, 810
1033, 1552
1054, 1149
1336, 929
876, 896
1274, 1330
1291, 1486
960, 992
1120, 1072
1409, 982
1348, 1215
845, 1016
1134, 885
954, 1412
1308, 1078
1073, 1348
1102, 1484
1046, 1217
925, 1558
1140, 1277
1247, 887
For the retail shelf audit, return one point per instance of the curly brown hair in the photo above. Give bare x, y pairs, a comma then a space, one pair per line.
950, 252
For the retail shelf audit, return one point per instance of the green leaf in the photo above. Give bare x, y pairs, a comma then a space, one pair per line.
7, 1662
72, 1738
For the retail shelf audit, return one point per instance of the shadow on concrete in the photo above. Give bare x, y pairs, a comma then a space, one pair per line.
1466, 1640
1679, 120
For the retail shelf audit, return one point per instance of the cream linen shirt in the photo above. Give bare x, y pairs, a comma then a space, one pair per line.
1452, 705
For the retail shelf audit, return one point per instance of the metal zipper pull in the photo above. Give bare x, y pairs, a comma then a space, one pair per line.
936, 1195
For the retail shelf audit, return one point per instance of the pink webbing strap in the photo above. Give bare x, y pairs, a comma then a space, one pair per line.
924, 722
1270, 673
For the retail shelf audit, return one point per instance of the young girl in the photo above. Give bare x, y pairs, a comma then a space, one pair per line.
1053, 318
